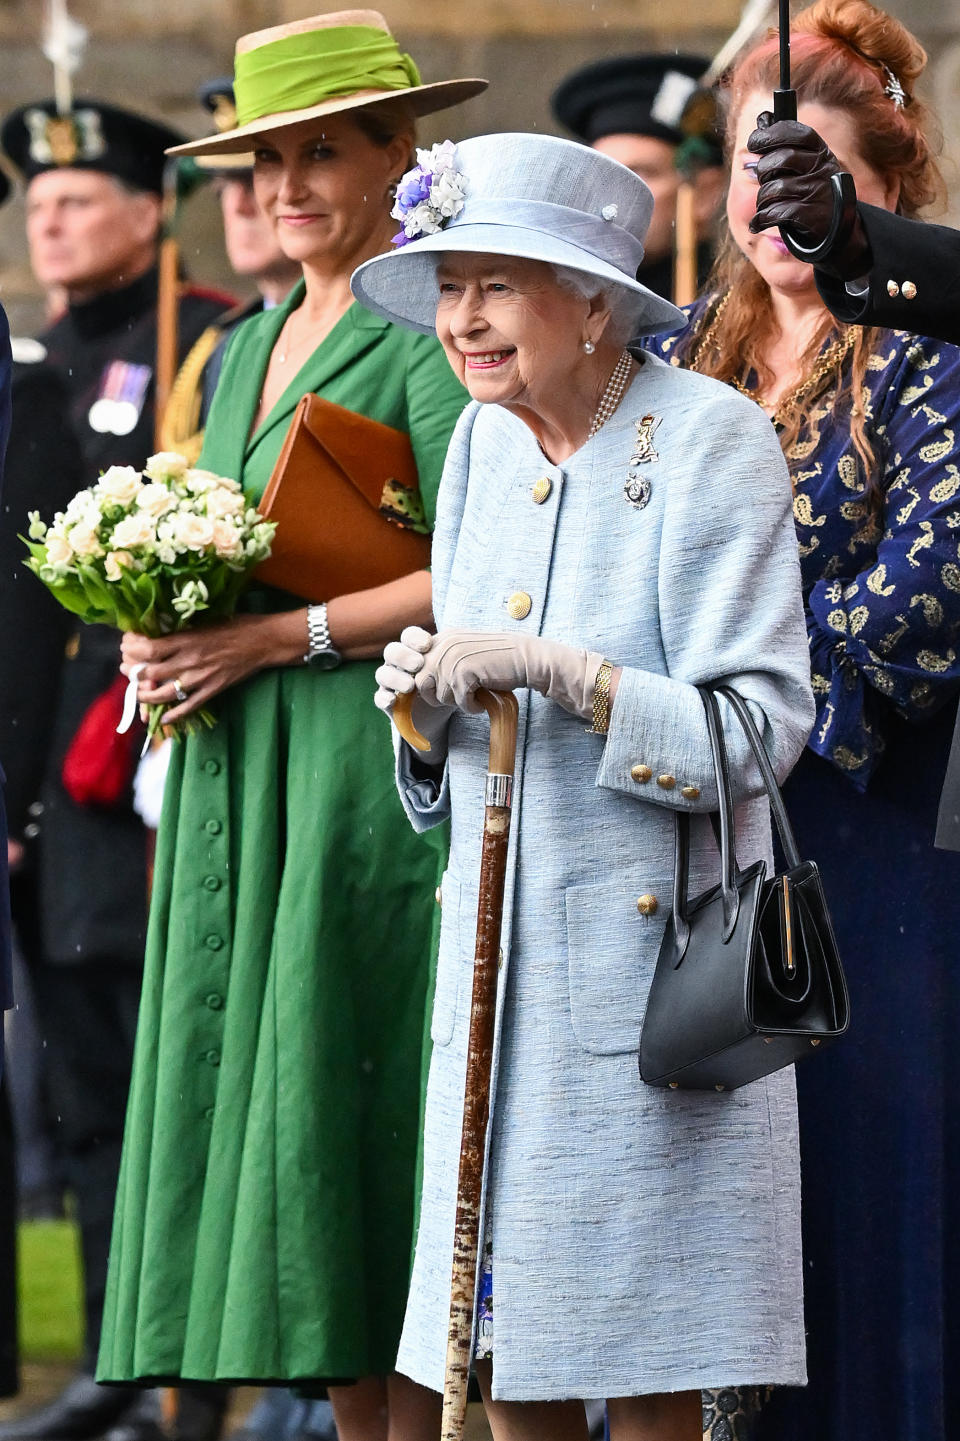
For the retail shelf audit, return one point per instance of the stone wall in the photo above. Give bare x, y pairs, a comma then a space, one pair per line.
153, 54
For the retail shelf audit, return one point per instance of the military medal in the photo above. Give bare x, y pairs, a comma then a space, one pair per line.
123, 389
636, 486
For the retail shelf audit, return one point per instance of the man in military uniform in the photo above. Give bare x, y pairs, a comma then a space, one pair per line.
94, 182
254, 254
634, 108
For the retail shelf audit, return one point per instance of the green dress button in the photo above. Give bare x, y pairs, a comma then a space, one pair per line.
213, 828
214, 1001
214, 943
212, 767
208, 1113
212, 883
213, 1057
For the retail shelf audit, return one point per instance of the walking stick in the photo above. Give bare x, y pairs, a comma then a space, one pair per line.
502, 710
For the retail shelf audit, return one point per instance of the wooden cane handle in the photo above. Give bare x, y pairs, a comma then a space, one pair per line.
402, 714
501, 707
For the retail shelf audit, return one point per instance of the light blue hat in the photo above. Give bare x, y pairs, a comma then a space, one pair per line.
533, 196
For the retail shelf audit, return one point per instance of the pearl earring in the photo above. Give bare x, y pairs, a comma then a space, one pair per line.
589, 346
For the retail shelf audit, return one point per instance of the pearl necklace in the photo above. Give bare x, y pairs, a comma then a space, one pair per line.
614, 393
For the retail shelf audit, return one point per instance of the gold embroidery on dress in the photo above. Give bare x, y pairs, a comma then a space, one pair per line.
922, 542
803, 511
858, 619
919, 358
880, 362
950, 575
937, 449
868, 534
847, 471
947, 488
837, 620
929, 660
893, 637
932, 609
827, 721
847, 759
876, 579
933, 416
905, 512
913, 393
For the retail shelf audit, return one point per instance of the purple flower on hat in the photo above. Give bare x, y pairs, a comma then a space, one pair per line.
429, 195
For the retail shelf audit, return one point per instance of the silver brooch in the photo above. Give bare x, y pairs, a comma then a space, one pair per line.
610, 212
636, 487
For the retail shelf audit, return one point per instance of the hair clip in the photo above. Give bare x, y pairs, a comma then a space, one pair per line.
894, 89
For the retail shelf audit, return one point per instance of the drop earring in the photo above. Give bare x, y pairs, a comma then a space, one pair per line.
589, 346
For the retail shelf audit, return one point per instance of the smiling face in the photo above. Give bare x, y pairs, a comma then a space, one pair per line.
324, 186
512, 333
767, 251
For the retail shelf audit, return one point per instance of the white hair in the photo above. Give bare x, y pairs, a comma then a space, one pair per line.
624, 308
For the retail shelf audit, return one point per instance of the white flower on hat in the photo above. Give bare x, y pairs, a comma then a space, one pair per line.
429, 195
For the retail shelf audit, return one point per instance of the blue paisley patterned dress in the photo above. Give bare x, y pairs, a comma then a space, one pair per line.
880, 1112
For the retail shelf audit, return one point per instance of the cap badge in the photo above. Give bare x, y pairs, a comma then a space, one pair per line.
64, 139
224, 113
637, 487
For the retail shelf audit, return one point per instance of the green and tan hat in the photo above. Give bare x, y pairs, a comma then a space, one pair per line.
321, 66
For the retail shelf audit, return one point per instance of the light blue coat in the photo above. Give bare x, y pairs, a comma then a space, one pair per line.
644, 1240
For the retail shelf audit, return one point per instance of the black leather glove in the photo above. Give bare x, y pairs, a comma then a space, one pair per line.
794, 171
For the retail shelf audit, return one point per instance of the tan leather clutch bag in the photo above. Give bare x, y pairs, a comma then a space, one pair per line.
346, 498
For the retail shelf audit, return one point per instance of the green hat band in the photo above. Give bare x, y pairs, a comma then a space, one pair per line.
304, 70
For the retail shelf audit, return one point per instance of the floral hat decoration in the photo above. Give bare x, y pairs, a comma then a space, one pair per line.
532, 196
321, 66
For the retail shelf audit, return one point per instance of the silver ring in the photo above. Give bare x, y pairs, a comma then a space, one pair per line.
179, 691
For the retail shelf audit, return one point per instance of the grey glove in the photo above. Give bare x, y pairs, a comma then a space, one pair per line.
461, 662
402, 660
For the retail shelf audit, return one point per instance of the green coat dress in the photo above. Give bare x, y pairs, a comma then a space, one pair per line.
263, 1226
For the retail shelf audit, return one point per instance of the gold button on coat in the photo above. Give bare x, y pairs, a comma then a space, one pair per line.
690, 793
542, 489
519, 605
438, 896
893, 289
908, 290
641, 773
667, 782
648, 905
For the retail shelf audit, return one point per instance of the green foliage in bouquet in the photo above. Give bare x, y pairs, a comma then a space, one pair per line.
152, 552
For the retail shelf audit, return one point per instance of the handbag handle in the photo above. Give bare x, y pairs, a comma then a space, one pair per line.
777, 809
731, 895
727, 825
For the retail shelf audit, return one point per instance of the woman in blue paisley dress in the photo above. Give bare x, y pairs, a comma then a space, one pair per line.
869, 421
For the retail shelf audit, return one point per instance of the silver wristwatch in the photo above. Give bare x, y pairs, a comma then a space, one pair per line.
320, 651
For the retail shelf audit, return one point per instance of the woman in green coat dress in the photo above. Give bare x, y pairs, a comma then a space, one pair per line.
264, 1215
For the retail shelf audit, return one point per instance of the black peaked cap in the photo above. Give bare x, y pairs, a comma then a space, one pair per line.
93, 136
628, 95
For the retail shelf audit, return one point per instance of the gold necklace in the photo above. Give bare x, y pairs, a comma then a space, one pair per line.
613, 394
831, 359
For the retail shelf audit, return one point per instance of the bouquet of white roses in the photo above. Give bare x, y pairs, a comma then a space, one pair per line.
151, 551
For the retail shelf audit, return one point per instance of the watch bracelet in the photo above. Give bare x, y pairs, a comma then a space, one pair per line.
600, 720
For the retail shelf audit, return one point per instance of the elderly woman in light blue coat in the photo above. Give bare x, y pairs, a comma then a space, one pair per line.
597, 506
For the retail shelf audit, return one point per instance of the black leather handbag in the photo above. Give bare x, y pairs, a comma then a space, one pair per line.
748, 978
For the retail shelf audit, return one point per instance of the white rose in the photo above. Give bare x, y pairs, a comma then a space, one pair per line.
84, 540
193, 532
83, 507
200, 481
221, 502
59, 550
134, 530
166, 464
226, 539
156, 500
116, 562
120, 483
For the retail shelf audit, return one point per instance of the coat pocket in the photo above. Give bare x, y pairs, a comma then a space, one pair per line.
450, 963
612, 950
